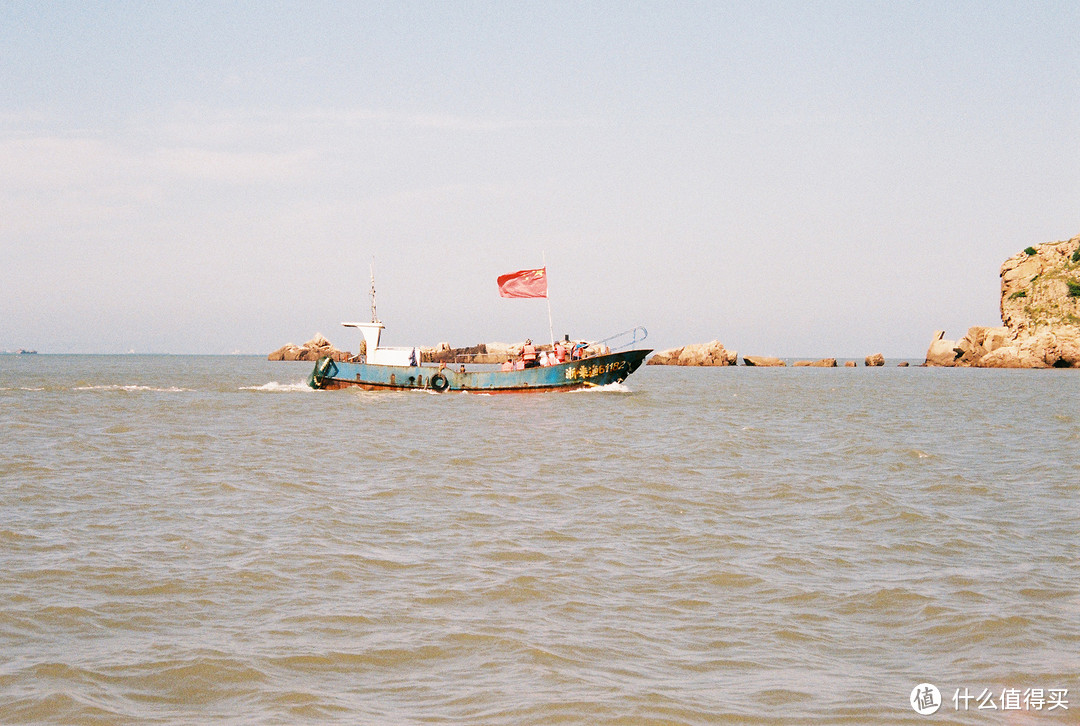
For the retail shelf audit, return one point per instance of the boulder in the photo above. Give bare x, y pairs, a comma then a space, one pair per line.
312, 350
1059, 348
942, 352
876, 359
443, 353
1068, 349
318, 341
762, 361
968, 350
850, 364
498, 349
978, 342
281, 352
485, 353
697, 354
1007, 357
823, 363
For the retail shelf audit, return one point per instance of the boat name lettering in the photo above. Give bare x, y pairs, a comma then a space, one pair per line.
595, 370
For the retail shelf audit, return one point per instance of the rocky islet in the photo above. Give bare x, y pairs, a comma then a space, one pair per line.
1040, 312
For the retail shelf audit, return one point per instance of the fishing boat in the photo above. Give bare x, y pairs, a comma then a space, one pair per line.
396, 368
383, 368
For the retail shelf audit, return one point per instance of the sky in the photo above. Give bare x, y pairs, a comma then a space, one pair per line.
800, 179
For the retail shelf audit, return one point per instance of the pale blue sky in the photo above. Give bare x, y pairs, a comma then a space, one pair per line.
796, 179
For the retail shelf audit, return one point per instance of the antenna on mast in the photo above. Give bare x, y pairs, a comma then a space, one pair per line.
374, 315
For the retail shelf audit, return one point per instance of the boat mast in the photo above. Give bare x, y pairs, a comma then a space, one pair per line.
374, 315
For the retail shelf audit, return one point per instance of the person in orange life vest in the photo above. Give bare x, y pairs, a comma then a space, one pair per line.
560, 352
528, 354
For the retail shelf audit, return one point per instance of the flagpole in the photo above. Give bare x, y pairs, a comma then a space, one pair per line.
551, 326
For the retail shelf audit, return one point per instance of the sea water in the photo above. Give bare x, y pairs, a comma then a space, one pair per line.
206, 540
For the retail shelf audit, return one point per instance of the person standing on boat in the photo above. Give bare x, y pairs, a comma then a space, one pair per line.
560, 352
528, 354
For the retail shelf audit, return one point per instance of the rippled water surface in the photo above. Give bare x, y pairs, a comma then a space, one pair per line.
205, 540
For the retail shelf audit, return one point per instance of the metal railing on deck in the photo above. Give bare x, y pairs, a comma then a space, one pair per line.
630, 336
626, 339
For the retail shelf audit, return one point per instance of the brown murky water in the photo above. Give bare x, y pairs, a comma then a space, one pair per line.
204, 540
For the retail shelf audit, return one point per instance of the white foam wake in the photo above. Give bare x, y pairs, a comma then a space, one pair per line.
275, 387
118, 387
609, 388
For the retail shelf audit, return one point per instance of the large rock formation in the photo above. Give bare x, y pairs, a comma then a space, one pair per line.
967, 351
312, 350
1040, 309
823, 363
443, 353
479, 353
697, 354
498, 352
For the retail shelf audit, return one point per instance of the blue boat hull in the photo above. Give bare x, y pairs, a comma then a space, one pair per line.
598, 370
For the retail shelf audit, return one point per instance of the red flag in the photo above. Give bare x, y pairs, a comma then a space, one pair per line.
524, 283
